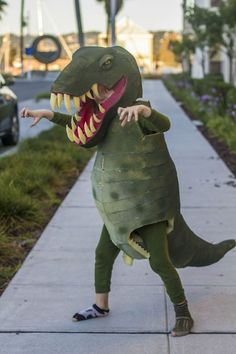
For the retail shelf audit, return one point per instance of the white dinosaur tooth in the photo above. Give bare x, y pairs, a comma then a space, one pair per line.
70, 133
95, 90
83, 98
90, 95
59, 99
73, 125
101, 109
77, 117
97, 120
76, 101
76, 138
82, 137
53, 101
91, 125
87, 130
67, 102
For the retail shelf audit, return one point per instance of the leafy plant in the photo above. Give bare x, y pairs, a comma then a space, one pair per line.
210, 100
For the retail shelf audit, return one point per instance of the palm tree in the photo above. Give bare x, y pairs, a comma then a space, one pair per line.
2, 7
79, 23
107, 4
22, 25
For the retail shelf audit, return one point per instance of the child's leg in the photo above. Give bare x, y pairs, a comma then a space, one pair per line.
106, 253
155, 239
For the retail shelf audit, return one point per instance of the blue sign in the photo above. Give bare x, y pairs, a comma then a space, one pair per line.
28, 51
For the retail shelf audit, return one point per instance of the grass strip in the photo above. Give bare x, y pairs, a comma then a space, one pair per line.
42, 96
33, 183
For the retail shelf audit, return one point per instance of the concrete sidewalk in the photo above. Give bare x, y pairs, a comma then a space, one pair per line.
56, 280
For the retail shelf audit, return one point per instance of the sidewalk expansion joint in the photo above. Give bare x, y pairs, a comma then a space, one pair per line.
111, 332
208, 207
83, 332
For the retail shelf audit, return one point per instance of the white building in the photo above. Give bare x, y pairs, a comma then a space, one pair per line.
136, 40
219, 63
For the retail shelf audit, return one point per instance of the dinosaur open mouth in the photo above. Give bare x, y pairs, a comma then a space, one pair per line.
89, 109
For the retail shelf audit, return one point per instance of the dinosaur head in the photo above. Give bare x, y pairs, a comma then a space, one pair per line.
93, 85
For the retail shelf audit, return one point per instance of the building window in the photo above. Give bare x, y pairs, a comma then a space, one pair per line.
215, 3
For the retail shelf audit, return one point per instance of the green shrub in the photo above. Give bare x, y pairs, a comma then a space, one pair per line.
224, 128
150, 76
231, 103
42, 96
210, 100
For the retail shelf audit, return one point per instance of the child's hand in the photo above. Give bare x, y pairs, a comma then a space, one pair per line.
37, 115
131, 113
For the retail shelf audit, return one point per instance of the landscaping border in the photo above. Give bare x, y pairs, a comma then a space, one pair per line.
218, 144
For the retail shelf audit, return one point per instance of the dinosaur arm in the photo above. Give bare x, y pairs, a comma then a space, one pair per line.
61, 119
157, 122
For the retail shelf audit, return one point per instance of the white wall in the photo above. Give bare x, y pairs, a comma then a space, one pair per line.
197, 72
203, 3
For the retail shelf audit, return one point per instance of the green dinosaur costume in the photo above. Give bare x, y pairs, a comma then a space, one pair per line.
134, 178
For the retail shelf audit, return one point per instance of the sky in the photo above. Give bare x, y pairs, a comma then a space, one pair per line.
59, 15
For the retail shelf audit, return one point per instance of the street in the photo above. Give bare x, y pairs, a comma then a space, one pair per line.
29, 89
26, 92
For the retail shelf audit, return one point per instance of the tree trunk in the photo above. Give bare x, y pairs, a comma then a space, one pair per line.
203, 66
22, 37
79, 23
108, 30
189, 66
113, 21
231, 78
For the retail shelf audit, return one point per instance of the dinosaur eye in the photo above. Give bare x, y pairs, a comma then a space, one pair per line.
106, 62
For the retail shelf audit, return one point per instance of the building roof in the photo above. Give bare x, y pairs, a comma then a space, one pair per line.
127, 26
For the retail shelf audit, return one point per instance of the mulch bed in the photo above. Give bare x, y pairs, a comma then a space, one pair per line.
221, 148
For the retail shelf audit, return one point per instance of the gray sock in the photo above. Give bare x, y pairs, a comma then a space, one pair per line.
91, 312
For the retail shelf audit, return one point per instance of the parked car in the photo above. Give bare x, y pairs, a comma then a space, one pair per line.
9, 121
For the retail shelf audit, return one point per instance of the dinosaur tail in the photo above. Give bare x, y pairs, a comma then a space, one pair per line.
186, 249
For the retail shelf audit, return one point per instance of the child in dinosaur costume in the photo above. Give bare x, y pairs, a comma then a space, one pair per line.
134, 179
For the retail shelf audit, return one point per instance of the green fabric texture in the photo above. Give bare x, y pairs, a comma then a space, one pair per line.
189, 250
155, 239
134, 179
106, 253
61, 119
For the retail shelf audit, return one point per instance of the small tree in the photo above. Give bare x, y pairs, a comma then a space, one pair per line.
207, 28
107, 3
183, 50
227, 11
3, 4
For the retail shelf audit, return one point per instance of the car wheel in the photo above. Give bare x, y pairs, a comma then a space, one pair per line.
13, 137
